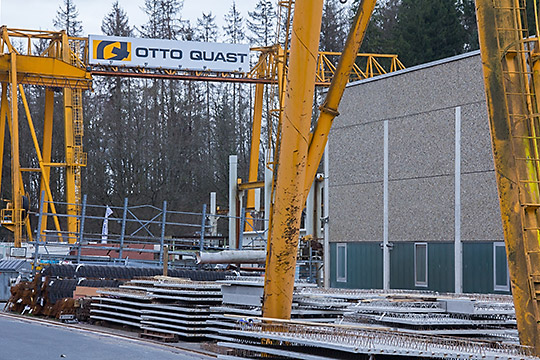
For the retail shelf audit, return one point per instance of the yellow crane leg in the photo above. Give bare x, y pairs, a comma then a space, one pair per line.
16, 184
47, 151
255, 139
4, 106
329, 108
69, 142
44, 174
290, 176
502, 110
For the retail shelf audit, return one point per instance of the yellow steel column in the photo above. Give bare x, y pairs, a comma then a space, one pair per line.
47, 150
16, 184
256, 136
508, 115
290, 175
44, 173
71, 198
4, 106
329, 109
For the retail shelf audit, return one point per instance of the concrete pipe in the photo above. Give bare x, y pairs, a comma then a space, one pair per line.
232, 257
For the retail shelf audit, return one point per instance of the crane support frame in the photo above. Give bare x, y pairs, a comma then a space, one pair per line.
507, 59
58, 66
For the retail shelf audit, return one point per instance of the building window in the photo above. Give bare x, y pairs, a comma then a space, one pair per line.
501, 279
420, 265
341, 263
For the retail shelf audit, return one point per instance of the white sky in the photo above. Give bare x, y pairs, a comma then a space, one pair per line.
38, 14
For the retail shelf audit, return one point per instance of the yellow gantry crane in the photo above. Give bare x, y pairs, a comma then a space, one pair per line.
60, 66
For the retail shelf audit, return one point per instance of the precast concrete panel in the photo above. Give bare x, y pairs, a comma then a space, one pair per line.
358, 155
476, 153
357, 212
480, 211
421, 209
421, 145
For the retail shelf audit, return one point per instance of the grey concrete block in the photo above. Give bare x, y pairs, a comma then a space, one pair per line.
422, 89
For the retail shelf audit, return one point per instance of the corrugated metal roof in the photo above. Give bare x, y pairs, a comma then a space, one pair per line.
12, 264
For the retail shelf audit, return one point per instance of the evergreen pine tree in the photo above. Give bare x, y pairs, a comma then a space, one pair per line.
262, 24
66, 19
468, 20
115, 23
163, 19
207, 29
234, 26
428, 30
333, 27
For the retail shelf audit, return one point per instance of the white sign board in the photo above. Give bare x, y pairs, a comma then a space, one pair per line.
167, 54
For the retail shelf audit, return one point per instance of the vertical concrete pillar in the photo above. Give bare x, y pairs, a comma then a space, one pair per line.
458, 250
326, 212
386, 245
213, 211
233, 194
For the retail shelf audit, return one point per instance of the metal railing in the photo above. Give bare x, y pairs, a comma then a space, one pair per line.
136, 233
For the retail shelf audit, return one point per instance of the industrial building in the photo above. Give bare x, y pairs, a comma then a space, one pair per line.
411, 166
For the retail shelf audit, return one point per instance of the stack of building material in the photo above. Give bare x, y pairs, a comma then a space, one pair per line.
395, 323
160, 306
483, 317
242, 297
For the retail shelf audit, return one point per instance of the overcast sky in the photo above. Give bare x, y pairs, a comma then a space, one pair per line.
38, 14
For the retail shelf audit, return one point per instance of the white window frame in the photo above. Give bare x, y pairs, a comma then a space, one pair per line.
338, 264
416, 281
497, 287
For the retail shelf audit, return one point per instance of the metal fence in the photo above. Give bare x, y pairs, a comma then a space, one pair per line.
135, 233
141, 234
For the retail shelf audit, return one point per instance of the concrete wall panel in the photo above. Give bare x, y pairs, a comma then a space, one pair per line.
476, 152
358, 155
356, 212
480, 211
421, 145
421, 209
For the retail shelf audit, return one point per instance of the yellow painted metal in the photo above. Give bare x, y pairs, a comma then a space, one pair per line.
367, 65
47, 151
251, 185
43, 169
16, 184
287, 209
60, 65
341, 76
256, 136
507, 56
72, 149
45, 71
4, 108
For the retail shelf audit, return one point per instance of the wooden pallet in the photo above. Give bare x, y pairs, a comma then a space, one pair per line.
159, 336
